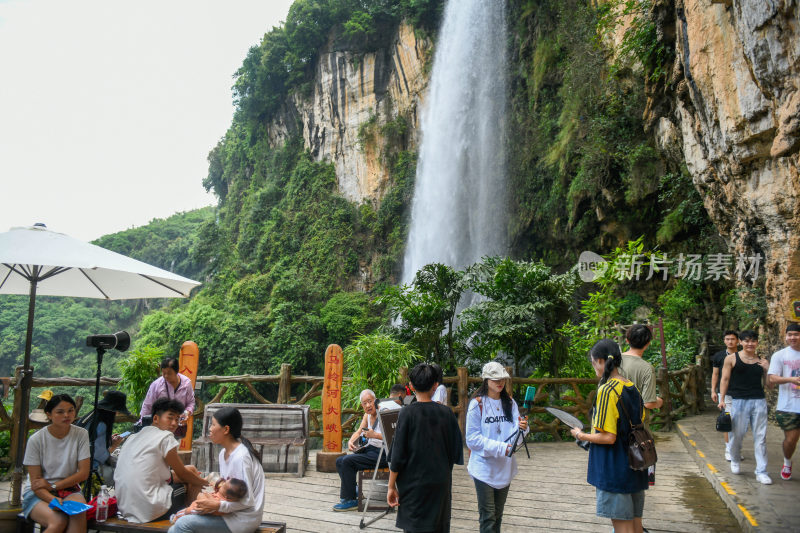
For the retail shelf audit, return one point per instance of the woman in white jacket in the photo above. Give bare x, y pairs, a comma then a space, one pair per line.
492, 421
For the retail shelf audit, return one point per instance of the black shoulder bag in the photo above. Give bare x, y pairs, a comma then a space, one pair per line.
641, 446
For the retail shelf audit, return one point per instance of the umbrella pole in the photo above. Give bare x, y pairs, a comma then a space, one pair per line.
27, 377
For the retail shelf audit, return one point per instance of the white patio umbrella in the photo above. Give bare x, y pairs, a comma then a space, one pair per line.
35, 260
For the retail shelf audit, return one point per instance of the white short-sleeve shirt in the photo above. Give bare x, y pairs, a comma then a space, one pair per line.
141, 480
58, 458
243, 516
786, 363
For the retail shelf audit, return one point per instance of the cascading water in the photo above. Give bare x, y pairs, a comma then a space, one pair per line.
459, 211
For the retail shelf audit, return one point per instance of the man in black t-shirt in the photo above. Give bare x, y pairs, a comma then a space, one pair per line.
731, 340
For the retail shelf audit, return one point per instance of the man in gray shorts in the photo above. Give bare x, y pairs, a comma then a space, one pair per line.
784, 371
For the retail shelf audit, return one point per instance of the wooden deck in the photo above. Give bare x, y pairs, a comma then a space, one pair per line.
550, 493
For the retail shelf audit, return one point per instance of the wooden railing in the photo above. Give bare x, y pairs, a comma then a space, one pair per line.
685, 389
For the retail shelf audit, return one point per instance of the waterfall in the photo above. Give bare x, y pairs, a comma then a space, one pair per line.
459, 211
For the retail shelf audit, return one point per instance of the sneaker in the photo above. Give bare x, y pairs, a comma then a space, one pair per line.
734, 468
346, 505
786, 473
764, 479
727, 455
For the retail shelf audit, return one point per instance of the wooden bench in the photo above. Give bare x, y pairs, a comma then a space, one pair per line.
279, 432
117, 525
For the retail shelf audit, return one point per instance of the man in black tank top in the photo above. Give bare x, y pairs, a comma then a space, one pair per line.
742, 379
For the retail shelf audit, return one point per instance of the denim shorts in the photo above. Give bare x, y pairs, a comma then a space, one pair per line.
618, 506
29, 501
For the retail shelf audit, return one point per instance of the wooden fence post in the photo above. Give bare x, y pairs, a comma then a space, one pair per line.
663, 386
403, 375
510, 383
285, 383
463, 401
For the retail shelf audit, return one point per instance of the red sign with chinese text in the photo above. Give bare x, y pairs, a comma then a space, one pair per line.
188, 362
332, 399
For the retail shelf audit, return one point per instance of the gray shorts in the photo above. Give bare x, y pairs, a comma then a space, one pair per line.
618, 506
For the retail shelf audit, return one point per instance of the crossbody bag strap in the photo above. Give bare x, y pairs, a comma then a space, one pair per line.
622, 403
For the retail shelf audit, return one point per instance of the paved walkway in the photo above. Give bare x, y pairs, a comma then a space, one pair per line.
757, 507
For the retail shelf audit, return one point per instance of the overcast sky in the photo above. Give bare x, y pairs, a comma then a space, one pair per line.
108, 109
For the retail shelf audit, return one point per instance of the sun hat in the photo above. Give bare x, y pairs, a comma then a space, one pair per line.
494, 370
114, 400
38, 415
46, 395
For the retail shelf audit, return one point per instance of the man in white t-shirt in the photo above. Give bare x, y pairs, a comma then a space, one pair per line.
784, 371
146, 488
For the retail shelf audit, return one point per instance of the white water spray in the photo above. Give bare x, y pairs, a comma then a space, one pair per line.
459, 211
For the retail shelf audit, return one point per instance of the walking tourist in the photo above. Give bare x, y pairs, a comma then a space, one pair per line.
742, 378
145, 486
366, 444
642, 374
237, 460
731, 340
636, 369
174, 386
493, 424
427, 443
784, 371
620, 490
57, 459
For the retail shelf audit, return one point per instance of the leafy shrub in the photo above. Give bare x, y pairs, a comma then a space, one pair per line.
139, 369
373, 362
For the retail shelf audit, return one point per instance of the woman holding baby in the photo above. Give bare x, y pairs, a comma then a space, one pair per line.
237, 460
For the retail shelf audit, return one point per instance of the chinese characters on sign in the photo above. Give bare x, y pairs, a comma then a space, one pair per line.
187, 362
332, 399
694, 267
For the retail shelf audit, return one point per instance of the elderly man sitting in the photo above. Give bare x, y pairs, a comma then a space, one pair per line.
364, 457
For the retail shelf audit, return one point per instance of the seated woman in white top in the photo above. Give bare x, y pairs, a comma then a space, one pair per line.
57, 458
237, 459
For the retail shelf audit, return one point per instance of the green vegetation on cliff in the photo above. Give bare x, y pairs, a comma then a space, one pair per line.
587, 175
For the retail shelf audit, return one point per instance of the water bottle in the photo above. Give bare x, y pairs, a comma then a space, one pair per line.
101, 514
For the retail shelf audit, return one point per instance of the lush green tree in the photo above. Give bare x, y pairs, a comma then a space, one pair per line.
138, 370
523, 306
373, 362
426, 311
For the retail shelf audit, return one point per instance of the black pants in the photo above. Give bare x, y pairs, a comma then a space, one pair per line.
349, 465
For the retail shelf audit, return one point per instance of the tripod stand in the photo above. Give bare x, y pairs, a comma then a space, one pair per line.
93, 474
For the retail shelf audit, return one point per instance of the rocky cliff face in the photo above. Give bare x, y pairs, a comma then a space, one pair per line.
731, 109
353, 96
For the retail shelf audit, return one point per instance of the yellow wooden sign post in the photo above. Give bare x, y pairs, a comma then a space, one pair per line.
331, 410
188, 362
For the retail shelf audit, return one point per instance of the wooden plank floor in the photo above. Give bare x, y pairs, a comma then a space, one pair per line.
550, 493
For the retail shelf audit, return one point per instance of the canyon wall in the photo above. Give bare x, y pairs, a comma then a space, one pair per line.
730, 109
353, 96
